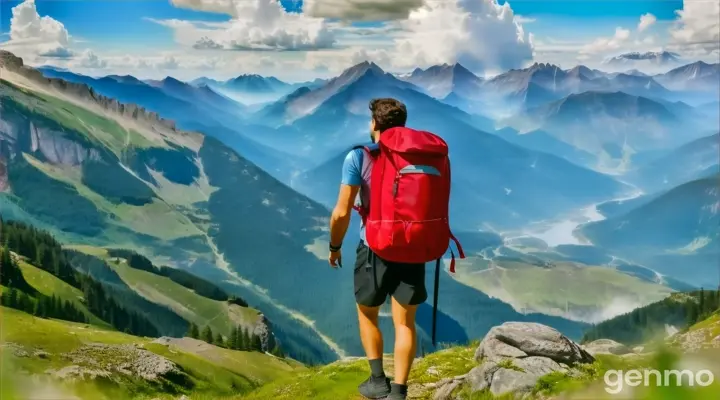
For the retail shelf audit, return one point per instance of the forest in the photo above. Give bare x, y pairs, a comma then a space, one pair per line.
41, 249
680, 310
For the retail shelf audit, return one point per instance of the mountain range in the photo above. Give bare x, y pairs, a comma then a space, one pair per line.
190, 176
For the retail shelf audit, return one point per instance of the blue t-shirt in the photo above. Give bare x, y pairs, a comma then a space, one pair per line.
356, 172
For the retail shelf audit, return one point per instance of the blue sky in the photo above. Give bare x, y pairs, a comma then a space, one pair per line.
187, 36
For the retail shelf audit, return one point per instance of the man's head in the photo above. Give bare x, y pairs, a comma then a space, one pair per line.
386, 114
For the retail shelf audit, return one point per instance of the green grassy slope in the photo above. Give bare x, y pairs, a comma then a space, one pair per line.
221, 316
50, 285
215, 373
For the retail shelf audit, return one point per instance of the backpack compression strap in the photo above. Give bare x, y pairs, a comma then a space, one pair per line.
461, 253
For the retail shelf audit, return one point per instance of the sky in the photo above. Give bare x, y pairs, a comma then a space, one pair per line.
300, 40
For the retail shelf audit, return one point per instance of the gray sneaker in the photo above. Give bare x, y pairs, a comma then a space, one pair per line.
375, 388
396, 396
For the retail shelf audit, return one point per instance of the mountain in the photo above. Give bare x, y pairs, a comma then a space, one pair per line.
254, 83
441, 80
638, 59
545, 142
302, 103
697, 159
675, 233
611, 126
96, 172
485, 166
193, 108
698, 76
201, 95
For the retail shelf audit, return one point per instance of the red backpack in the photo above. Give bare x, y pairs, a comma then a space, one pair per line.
409, 199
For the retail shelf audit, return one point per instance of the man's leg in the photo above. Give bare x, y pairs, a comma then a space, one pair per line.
370, 334
369, 296
409, 293
405, 340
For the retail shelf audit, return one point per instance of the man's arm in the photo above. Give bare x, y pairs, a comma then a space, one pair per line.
340, 219
349, 187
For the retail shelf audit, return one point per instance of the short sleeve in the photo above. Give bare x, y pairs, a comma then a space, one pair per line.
352, 167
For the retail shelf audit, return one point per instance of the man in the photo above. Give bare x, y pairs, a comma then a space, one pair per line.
375, 278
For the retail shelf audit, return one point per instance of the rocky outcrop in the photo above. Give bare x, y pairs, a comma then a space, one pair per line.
606, 346
516, 354
97, 360
15, 64
263, 330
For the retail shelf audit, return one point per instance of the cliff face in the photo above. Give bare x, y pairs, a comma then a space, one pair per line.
12, 63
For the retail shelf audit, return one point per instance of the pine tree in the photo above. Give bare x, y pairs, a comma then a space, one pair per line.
232, 340
12, 298
194, 332
256, 343
207, 335
277, 351
246, 344
219, 340
702, 301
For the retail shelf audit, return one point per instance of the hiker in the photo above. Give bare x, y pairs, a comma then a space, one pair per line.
404, 210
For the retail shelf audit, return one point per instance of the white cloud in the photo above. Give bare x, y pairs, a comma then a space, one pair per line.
88, 59
361, 10
646, 21
697, 29
480, 34
32, 34
255, 25
524, 20
603, 45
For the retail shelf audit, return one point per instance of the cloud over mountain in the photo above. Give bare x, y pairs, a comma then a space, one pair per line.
480, 34
361, 10
41, 36
255, 25
697, 29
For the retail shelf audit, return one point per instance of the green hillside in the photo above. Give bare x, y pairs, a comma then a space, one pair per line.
221, 316
49, 285
35, 346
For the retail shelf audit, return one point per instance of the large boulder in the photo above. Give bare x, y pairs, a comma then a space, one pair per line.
533, 339
606, 346
515, 355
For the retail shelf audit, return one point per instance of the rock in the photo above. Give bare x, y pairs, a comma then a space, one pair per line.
445, 392
76, 372
519, 375
481, 376
124, 359
41, 354
533, 339
16, 349
492, 348
262, 329
606, 346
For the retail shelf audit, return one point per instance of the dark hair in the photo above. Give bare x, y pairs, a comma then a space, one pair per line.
388, 113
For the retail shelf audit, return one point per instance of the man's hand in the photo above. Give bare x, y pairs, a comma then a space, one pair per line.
335, 258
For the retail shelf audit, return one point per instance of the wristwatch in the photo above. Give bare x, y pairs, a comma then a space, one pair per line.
335, 249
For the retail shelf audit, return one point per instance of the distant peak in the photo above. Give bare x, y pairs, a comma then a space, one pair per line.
363, 68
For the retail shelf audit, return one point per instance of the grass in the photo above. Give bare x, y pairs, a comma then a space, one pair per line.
533, 288
218, 374
157, 219
192, 307
49, 285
